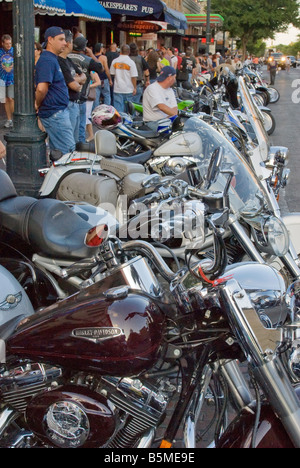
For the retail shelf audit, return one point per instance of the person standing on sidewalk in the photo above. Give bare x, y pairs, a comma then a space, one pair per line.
143, 79
272, 67
74, 79
125, 72
85, 59
52, 96
105, 78
7, 78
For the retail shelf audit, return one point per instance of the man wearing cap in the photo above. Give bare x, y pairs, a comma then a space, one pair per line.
159, 100
52, 96
84, 58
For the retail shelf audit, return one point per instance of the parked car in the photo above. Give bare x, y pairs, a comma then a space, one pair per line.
279, 58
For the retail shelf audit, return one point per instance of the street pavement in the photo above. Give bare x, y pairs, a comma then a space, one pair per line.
287, 133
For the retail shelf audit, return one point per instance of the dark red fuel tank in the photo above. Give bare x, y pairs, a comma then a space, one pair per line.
88, 332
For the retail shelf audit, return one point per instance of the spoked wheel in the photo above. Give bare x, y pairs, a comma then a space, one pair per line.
268, 122
259, 99
274, 95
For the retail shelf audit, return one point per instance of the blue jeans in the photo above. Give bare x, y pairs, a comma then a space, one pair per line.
139, 93
105, 92
120, 101
60, 131
74, 118
82, 122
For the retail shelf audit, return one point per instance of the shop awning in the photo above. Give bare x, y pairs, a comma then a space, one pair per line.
146, 9
201, 20
89, 9
175, 18
54, 7
47, 7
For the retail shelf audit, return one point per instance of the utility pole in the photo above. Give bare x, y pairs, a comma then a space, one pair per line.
26, 147
208, 31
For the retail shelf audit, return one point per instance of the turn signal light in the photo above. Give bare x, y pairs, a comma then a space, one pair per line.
96, 235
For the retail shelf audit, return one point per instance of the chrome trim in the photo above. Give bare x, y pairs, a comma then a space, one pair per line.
191, 419
7, 416
259, 345
147, 439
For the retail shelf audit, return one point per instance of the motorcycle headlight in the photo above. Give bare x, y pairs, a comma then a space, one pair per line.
273, 238
266, 290
277, 235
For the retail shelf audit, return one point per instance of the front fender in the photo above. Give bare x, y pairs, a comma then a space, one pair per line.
263, 108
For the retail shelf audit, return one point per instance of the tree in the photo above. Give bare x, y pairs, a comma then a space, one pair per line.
252, 20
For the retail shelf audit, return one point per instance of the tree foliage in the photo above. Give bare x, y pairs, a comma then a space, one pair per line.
252, 20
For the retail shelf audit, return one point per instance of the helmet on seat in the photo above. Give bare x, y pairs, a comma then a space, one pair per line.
106, 117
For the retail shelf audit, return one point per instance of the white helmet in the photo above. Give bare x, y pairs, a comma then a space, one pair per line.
106, 117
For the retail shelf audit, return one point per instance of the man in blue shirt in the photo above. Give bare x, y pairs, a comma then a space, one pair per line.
7, 78
52, 96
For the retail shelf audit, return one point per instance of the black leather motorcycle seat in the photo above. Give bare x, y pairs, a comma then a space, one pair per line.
55, 230
140, 158
7, 187
145, 133
14, 214
88, 147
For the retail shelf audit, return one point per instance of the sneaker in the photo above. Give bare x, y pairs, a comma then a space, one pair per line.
8, 124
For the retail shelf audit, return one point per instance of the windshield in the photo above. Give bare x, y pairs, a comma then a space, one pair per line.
245, 188
253, 114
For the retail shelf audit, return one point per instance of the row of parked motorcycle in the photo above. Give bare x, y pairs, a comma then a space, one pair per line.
155, 278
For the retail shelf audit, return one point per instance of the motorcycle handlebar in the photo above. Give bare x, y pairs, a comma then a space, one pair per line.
148, 199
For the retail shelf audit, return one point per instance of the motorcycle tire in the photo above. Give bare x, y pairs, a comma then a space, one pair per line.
259, 99
274, 95
269, 122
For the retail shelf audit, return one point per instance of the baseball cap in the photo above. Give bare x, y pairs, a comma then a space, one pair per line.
80, 43
53, 32
165, 73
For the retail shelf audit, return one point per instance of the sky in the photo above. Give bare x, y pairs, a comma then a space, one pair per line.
285, 38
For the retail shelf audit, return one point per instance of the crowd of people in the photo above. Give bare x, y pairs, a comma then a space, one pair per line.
72, 79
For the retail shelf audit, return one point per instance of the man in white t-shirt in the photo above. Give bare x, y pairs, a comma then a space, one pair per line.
125, 78
159, 100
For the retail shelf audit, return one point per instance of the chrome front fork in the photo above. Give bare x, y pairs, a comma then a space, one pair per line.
259, 345
238, 388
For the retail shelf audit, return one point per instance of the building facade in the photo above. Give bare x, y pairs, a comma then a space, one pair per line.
149, 23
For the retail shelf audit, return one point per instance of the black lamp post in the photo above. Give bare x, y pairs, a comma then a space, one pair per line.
26, 147
208, 30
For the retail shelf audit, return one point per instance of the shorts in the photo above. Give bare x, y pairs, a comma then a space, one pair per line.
6, 92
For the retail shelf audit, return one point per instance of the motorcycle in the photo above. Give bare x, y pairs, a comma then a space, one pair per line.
107, 366
196, 144
256, 80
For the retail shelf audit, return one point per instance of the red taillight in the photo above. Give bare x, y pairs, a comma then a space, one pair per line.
96, 235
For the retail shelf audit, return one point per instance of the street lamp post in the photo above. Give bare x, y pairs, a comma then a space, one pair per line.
26, 147
208, 30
